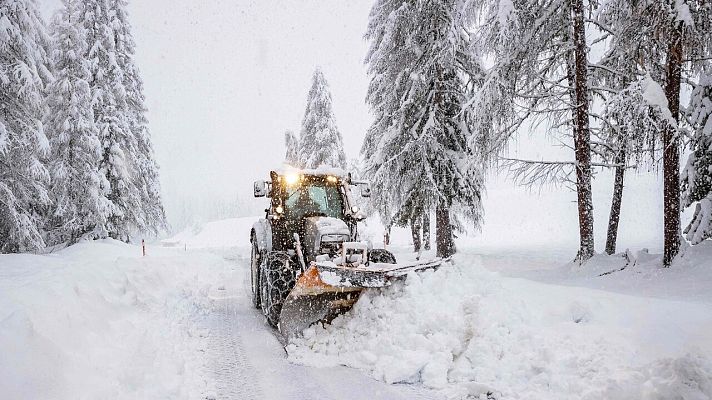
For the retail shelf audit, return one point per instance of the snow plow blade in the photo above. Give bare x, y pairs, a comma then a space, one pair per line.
326, 290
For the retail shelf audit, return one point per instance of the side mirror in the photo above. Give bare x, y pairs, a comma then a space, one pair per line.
260, 188
366, 190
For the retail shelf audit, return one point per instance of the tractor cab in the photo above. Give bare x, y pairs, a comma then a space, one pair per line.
315, 205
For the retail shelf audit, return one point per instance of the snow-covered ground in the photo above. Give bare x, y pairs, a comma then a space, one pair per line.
467, 330
98, 320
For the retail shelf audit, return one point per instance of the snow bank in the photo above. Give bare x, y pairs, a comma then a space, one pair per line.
98, 321
232, 232
468, 331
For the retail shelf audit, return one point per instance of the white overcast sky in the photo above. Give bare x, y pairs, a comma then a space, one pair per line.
224, 79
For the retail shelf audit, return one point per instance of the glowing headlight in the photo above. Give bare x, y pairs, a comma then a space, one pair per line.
332, 179
354, 209
291, 179
279, 209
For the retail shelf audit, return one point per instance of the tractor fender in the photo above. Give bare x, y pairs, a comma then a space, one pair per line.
263, 234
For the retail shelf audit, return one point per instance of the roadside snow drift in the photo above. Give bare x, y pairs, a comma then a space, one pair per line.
469, 332
223, 234
98, 321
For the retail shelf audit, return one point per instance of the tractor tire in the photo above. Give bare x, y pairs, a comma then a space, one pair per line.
255, 260
277, 278
381, 256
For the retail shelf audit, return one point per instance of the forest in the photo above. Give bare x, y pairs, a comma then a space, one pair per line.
75, 151
624, 85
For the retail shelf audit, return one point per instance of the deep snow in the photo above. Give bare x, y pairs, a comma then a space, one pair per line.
97, 320
468, 330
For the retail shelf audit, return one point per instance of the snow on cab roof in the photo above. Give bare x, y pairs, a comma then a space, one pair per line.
323, 170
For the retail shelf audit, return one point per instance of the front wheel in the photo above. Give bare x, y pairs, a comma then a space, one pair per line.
381, 256
276, 280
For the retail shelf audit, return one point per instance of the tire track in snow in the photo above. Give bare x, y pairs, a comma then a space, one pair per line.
234, 376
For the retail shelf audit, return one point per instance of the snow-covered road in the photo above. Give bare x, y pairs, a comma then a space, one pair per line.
99, 321
247, 361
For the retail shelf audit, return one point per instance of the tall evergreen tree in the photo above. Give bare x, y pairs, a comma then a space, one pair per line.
320, 141
697, 175
540, 74
631, 122
677, 37
150, 216
79, 208
109, 101
291, 143
23, 75
417, 151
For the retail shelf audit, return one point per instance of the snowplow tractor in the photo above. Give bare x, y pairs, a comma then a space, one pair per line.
308, 263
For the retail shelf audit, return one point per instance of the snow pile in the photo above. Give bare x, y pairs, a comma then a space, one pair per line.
468, 331
98, 321
232, 232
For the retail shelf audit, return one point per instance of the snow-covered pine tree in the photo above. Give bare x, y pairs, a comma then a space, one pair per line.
291, 156
150, 216
109, 101
540, 74
675, 36
24, 73
630, 122
320, 142
697, 175
79, 208
630, 125
417, 150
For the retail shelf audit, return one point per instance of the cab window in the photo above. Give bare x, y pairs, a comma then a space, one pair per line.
313, 200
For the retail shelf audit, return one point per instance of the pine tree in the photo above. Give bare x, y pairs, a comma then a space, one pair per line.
291, 143
109, 101
418, 151
540, 74
697, 176
320, 143
79, 208
150, 216
631, 123
674, 35
23, 145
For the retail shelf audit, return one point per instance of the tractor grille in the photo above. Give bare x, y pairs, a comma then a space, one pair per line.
331, 244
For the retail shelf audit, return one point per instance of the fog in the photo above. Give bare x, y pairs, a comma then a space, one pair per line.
225, 79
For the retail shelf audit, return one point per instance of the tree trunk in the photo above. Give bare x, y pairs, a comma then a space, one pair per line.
614, 218
443, 231
671, 150
426, 230
415, 233
582, 134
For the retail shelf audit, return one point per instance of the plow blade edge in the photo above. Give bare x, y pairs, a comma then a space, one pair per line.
326, 290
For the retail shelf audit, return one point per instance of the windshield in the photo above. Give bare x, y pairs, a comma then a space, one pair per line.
314, 199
